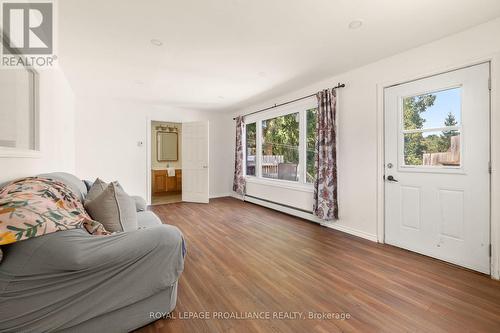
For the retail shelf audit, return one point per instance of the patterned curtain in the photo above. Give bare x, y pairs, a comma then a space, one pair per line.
325, 186
239, 178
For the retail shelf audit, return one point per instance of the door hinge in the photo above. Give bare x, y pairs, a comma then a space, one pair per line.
489, 83
490, 250
489, 167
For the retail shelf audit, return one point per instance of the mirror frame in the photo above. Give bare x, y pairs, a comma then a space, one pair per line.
158, 140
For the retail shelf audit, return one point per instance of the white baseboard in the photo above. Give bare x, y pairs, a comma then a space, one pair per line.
310, 217
351, 231
220, 195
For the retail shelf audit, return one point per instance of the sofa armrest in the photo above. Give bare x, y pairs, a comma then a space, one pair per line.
140, 203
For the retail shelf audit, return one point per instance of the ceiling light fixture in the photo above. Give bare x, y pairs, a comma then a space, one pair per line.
356, 24
156, 42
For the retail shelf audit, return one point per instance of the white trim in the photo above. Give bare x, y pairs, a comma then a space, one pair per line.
36, 152
148, 161
287, 184
436, 129
312, 218
219, 195
237, 196
494, 60
19, 153
351, 231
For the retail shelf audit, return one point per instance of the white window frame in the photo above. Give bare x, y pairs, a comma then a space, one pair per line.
35, 123
403, 167
301, 108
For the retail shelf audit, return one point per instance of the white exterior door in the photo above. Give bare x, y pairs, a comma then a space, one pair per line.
437, 155
195, 162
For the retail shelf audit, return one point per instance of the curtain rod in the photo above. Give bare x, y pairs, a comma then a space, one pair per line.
340, 85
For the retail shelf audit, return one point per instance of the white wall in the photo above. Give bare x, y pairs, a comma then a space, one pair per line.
108, 132
357, 119
57, 131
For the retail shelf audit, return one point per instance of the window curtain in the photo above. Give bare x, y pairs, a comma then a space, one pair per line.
325, 186
239, 178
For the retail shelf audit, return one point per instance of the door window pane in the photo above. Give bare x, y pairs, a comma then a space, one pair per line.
422, 115
311, 118
432, 148
434, 110
251, 143
280, 147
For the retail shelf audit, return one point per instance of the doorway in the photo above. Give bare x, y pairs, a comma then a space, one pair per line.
166, 162
437, 166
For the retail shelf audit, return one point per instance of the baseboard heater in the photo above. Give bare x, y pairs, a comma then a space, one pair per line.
306, 215
302, 213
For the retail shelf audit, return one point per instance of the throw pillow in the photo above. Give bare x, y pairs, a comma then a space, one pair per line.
114, 209
96, 189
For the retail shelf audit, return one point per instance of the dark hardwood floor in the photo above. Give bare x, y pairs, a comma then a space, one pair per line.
243, 258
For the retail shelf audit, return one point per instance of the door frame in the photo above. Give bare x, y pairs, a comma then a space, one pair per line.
494, 61
149, 181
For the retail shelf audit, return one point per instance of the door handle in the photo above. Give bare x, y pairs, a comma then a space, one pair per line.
392, 179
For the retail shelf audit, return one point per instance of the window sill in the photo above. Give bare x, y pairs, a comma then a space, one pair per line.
19, 153
281, 183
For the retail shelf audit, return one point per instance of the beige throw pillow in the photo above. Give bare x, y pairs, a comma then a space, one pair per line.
114, 209
96, 189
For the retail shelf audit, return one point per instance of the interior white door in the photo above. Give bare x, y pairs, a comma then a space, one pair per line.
195, 170
437, 158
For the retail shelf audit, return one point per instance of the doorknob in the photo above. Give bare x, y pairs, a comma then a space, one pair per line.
391, 179
205, 167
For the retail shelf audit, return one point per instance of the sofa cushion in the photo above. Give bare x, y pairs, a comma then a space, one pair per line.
147, 219
72, 181
88, 184
114, 209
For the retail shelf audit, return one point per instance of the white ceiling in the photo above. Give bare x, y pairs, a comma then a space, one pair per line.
227, 54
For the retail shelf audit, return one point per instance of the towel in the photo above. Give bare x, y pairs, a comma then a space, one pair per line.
171, 172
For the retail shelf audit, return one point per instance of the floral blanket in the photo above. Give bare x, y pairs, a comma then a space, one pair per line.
32, 207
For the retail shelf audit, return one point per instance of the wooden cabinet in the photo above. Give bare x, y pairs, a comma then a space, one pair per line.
162, 183
159, 181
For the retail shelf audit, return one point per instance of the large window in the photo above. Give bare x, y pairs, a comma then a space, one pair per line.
280, 145
251, 143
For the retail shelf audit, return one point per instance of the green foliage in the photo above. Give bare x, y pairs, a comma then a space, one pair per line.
281, 137
251, 133
450, 121
311, 119
415, 143
413, 107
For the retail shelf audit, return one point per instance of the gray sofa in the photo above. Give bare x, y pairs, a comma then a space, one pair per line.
71, 281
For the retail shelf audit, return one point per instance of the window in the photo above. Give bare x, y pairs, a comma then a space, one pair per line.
431, 129
18, 118
251, 144
280, 145
311, 118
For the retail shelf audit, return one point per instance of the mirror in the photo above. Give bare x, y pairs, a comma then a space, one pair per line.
167, 146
